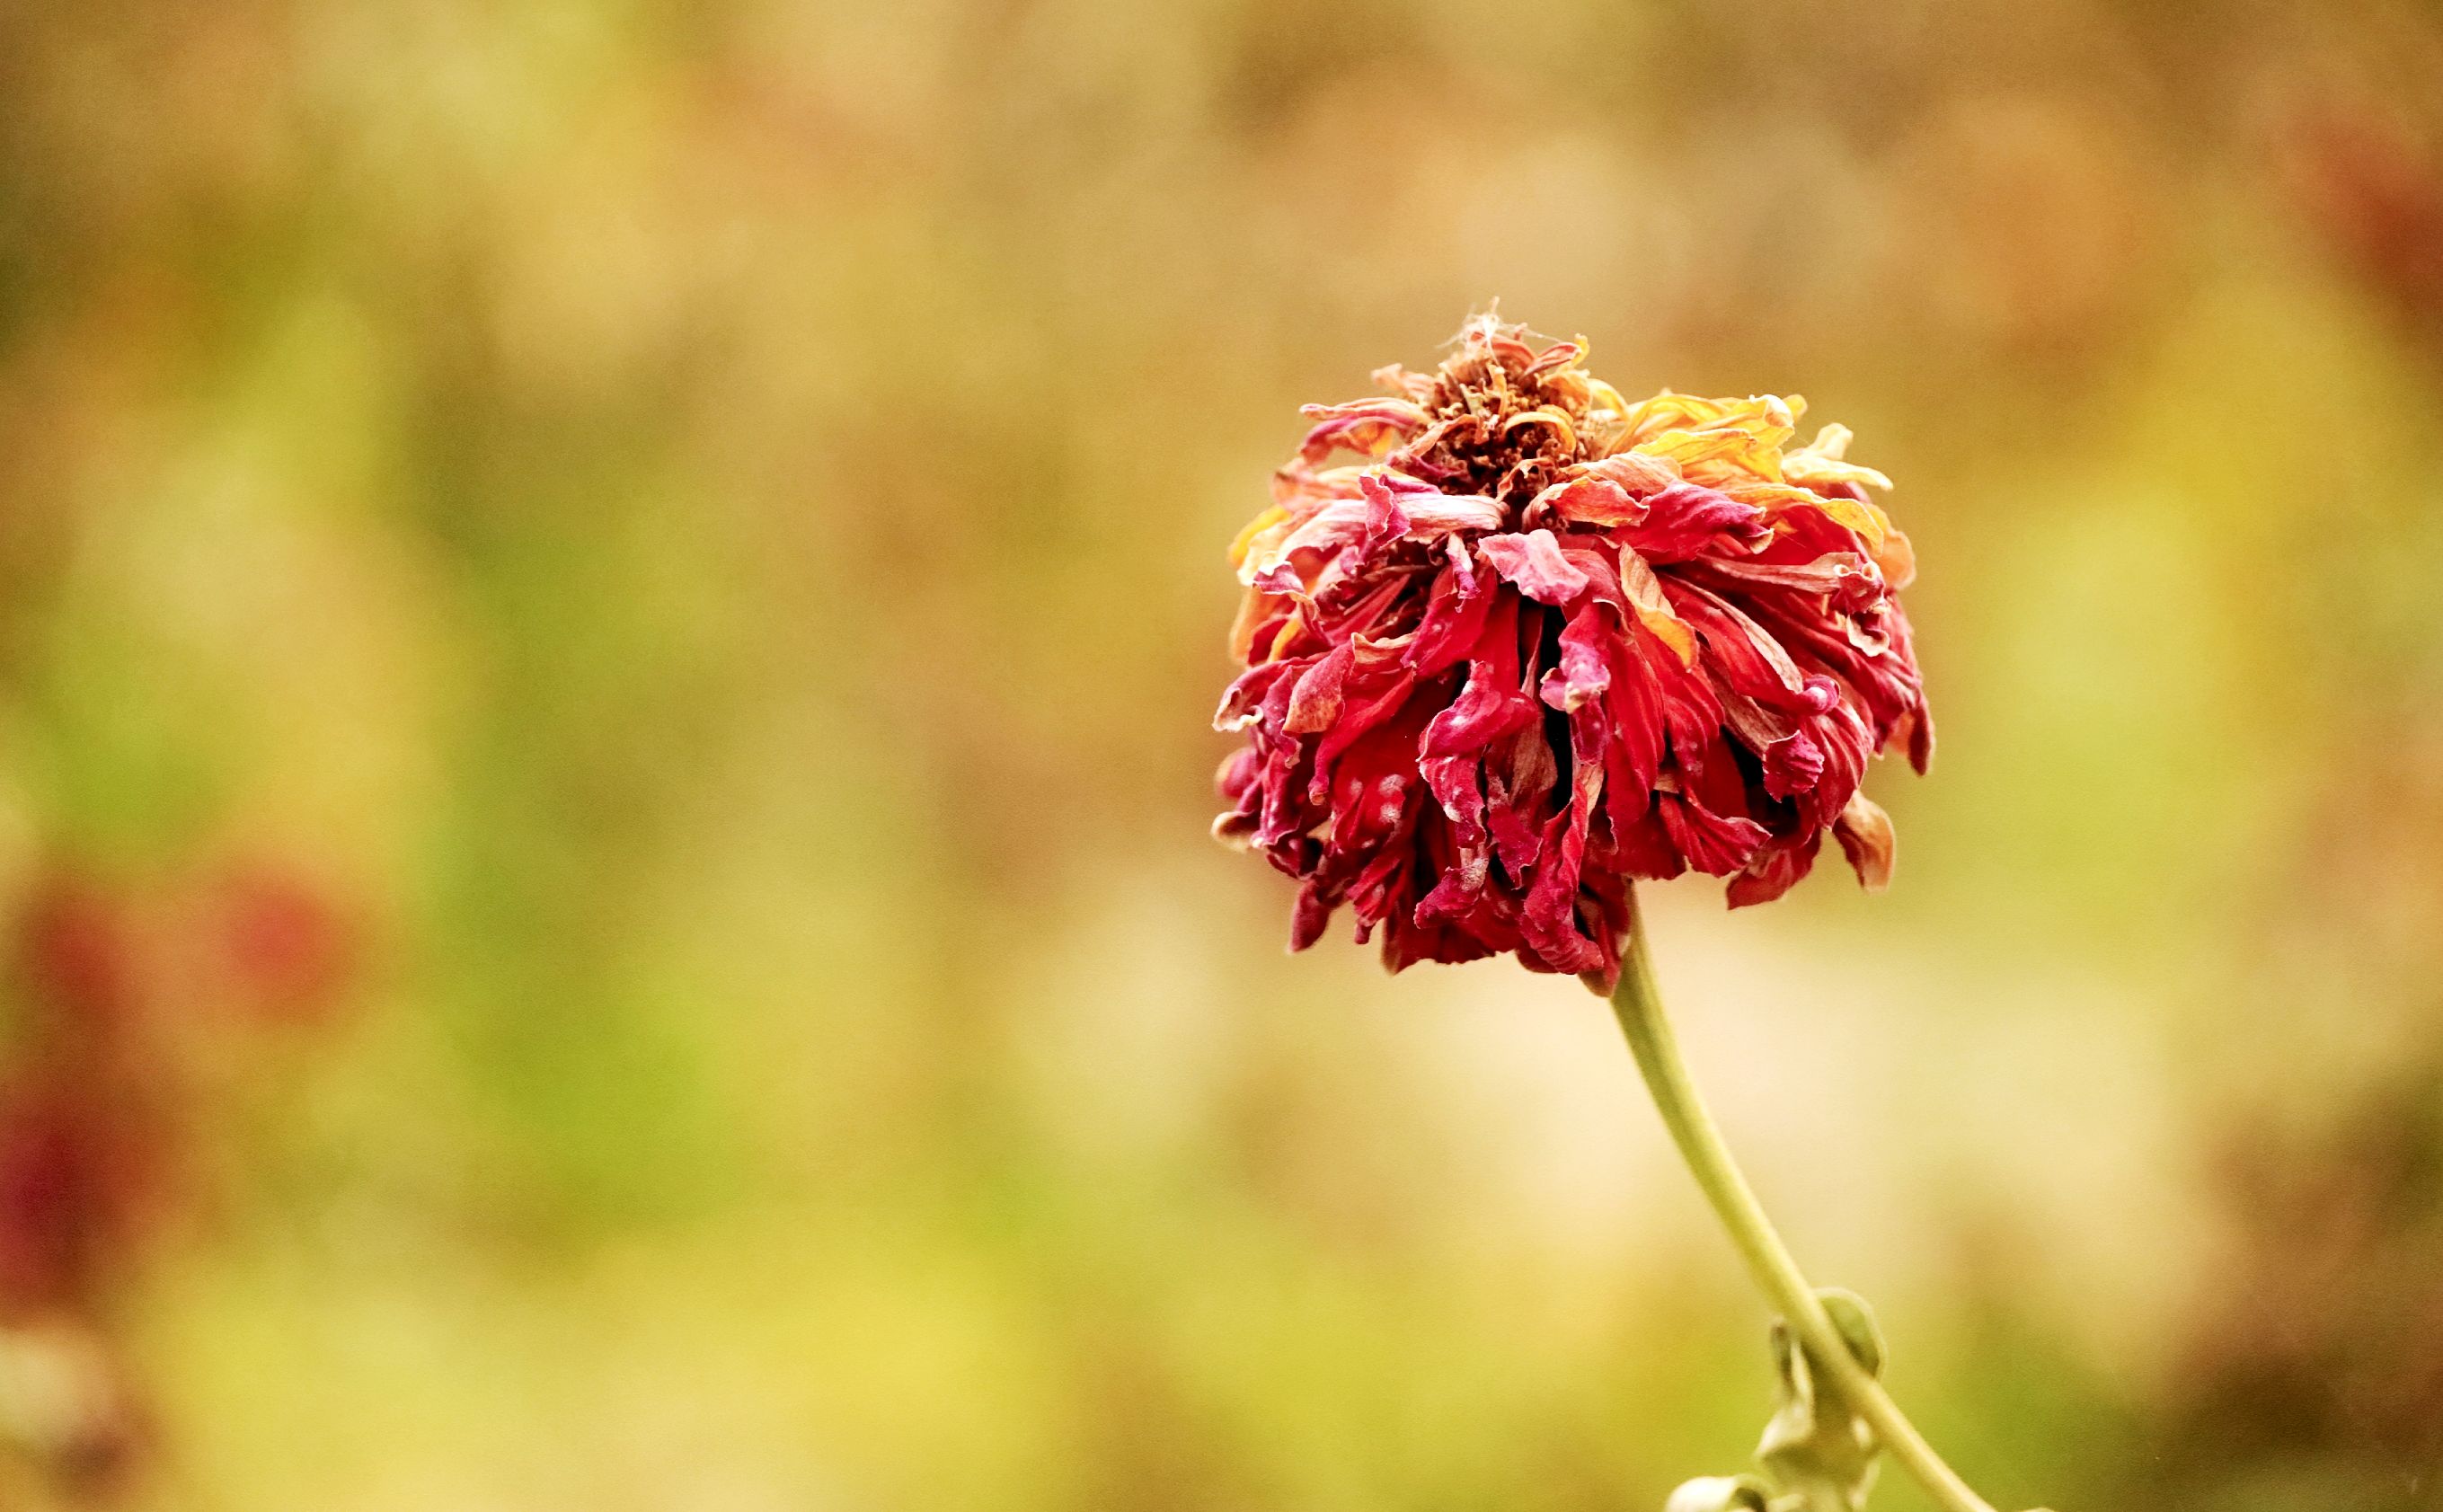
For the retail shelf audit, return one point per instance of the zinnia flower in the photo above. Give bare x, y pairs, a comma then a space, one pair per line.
1542, 642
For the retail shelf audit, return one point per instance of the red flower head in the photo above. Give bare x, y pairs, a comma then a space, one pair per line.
1545, 642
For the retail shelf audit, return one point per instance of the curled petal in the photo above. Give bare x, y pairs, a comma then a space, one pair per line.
1346, 523
1864, 832
1608, 491
1819, 462
1747, 656
1897, 558
1371, 427
1844, 505
1314, 702
1762, 413
1560, 355
1550, 923
1385, 521
1554, 419
1689, 519
1778, 866
1454, 615
1490, 712
1715, 440
1713, 843
1255, 530
1534, 563
1792, 765
1585, 670
1834, 572
1644, 592
1245, 698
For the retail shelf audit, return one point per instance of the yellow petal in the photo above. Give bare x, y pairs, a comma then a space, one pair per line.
1758, 415
1255, 542
1717, 457
1819, 471
1644, 593
1820, 462
1897, 558
1863, 521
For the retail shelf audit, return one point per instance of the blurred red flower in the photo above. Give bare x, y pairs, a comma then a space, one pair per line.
284, 945
122, 1003
1545, 642
85, 1145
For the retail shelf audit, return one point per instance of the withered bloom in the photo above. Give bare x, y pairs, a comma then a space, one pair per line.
1543, 642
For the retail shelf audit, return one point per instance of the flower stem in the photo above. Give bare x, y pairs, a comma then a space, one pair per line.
1639, 1006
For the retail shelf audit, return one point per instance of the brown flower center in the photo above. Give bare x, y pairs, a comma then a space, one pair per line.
1500, 432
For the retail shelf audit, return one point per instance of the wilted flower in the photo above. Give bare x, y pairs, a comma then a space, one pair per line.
1544, 642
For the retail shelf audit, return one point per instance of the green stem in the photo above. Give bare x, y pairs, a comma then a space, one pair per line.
1640, 1009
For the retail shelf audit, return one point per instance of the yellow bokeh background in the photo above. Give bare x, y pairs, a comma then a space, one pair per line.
699, 529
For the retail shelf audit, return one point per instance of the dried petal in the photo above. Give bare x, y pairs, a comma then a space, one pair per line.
1535, 563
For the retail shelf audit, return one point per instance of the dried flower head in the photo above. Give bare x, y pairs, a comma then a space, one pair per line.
1543, 642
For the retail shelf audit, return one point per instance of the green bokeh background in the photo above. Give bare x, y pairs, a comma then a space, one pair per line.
704, 524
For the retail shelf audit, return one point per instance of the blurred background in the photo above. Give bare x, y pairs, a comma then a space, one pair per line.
608, 615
